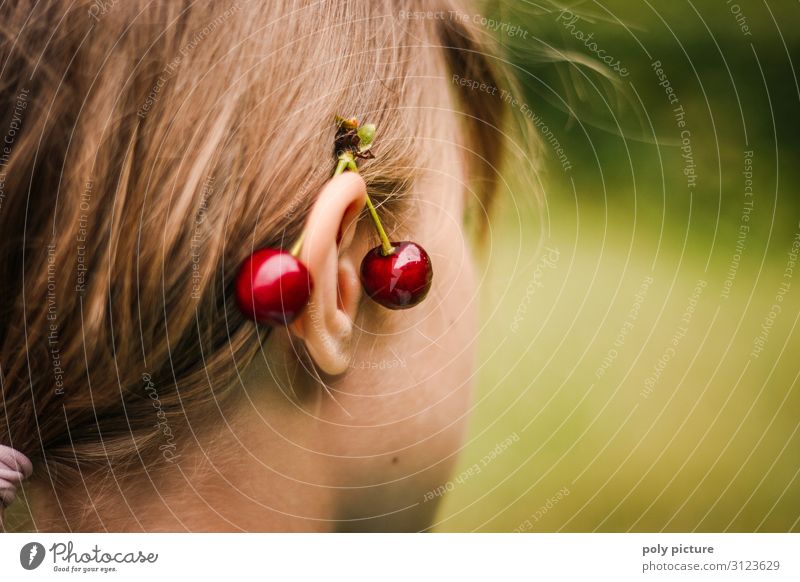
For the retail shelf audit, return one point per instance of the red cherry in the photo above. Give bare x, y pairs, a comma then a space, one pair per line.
273, 287
399, 280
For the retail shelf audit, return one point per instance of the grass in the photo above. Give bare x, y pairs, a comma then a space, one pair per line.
712, 447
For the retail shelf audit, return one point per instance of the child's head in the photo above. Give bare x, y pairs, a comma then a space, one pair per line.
150, 148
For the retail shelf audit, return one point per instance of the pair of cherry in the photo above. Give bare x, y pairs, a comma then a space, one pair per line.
273, 286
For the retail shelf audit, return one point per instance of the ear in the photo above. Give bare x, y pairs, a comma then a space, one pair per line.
326, 324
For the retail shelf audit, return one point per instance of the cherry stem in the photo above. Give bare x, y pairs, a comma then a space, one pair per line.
298, 244
341, 166
348, 162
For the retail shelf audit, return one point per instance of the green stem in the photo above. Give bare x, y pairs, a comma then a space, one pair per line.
298, 244
346, 160
386, 246
342, 165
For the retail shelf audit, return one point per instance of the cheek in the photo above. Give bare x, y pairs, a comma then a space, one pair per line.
450, 340
441, 369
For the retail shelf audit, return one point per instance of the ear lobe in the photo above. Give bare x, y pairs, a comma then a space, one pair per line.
326, 324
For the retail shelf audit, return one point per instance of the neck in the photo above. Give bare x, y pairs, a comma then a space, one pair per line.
257, 472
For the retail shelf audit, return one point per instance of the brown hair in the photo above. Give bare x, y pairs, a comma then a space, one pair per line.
150, 147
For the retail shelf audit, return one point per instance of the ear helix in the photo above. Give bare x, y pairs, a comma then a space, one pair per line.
273, 287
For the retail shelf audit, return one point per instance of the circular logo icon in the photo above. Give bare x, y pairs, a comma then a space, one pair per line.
31, 555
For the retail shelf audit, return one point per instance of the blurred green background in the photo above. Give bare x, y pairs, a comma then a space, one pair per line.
634, 374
